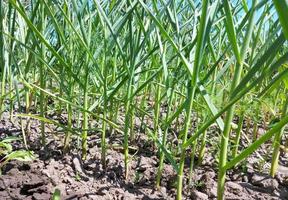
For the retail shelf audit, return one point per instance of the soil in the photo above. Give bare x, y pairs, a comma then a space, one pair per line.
77, 179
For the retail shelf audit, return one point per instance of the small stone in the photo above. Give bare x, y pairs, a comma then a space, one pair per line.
261, 131
198, 195
2, 186
67, 179
213, 191
283, 170
210, 185
235, 177
69, 191
137, 122
282, 175
245, 179
77, 164
145, 163
42, 196
276, 193
163, 190
211, 174
234, 187
265, 182
13, 172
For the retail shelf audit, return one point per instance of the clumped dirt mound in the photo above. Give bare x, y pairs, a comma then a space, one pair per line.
22, 182
83, 180
76, 180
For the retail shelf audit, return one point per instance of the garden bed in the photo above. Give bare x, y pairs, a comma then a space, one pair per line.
77, 179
